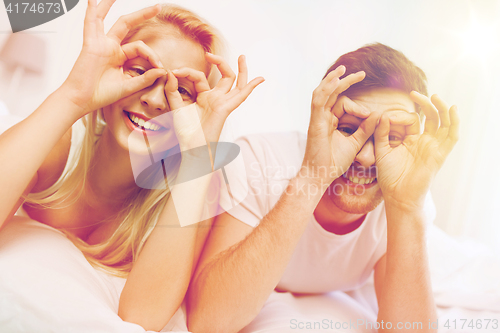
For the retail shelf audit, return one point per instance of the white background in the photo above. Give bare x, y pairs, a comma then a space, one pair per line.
292, 43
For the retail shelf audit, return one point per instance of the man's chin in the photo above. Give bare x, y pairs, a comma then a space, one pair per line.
351, 199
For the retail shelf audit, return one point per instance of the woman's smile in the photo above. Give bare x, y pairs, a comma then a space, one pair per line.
145, 114
137, 122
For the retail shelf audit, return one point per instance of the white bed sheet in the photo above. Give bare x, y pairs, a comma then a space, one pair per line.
466, 285
47, 285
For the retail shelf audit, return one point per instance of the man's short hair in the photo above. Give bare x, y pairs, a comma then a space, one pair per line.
384, 68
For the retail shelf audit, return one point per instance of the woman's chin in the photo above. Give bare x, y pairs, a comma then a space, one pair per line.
140, 144
143, 149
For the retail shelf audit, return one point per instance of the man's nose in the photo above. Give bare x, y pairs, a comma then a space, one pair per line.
153, 98
366, 156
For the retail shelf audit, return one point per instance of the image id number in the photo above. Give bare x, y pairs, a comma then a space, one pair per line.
24, 7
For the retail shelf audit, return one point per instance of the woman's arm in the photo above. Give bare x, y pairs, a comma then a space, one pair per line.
25, 146
96, 80
159, 279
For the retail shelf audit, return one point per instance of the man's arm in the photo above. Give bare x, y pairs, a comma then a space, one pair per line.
241, 267
402, 279
405, 173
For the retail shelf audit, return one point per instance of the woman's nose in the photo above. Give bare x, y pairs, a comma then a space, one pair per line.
154, 100
366, 156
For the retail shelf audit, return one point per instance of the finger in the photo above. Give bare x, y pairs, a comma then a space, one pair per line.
174, 98
323, 92
344, 84
349, 80
198, 78
228, 76
381, 134
402, 118
121, 27
242, 72
409, 120
326, 88
236, 100
365, 130
430, 111
452, 138
337, 72
346, 105
103, 8
454, 124
89, 23
444, 117
140, 49
443, 109
413, 128
143, 81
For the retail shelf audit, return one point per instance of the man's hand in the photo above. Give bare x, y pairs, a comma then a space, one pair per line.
405, 171
329, 152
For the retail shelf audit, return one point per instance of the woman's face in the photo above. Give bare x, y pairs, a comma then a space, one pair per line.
128, 114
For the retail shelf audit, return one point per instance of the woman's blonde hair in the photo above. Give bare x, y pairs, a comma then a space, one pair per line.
143, 207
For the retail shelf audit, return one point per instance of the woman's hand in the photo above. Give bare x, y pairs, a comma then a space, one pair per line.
216, 104
405, 171
97, 78
329, 151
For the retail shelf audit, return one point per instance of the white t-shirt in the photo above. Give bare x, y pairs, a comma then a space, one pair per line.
322, 261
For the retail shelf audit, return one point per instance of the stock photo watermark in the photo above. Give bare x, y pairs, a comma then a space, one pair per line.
353, 182
26, 14
328, 324
186, 166
457, 325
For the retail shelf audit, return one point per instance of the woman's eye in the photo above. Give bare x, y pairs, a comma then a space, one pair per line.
137, 70
346, 130
185, 93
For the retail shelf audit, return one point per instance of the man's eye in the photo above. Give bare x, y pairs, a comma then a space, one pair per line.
184, 92
346, 130
395, 139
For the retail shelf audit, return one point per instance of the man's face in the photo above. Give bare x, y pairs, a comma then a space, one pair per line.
357, 190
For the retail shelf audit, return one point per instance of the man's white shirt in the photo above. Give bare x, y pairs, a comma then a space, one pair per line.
322, 261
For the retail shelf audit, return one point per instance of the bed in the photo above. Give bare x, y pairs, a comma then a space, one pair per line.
46, 285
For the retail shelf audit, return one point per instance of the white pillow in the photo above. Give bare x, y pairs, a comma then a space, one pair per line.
3, 109
47, 285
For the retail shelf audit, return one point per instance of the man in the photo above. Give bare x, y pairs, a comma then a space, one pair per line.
325, 211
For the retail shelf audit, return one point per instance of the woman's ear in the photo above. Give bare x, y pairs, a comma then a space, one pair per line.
100, 117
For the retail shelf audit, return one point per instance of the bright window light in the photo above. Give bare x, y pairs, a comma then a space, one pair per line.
481, 40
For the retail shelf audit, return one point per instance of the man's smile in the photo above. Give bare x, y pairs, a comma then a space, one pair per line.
357, 175
359, 180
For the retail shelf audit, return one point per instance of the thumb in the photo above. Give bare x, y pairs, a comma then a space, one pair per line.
365, 130
140, 82
382, 133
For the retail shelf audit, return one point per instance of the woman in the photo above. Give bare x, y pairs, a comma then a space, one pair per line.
149, 63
